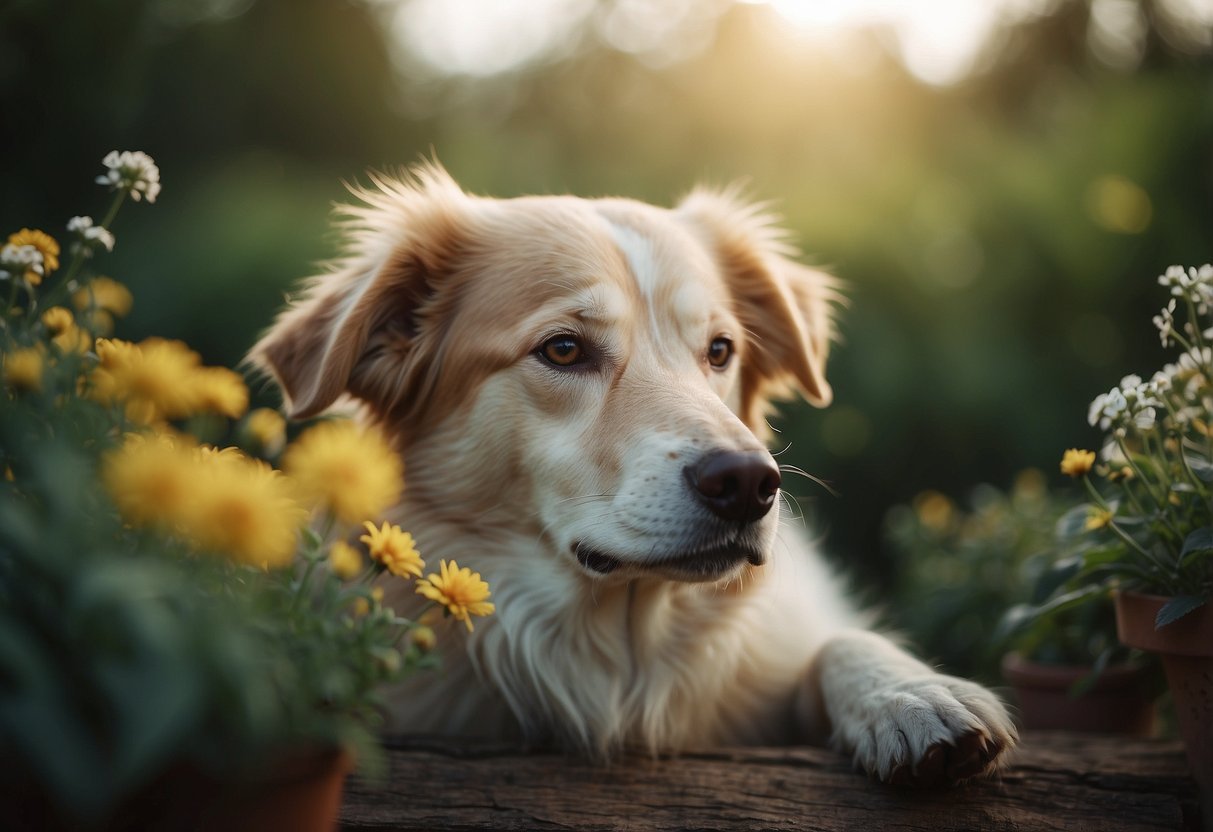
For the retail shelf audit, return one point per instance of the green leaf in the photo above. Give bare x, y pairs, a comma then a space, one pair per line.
1073, 523
1177, 608
1198, 540
1201, 467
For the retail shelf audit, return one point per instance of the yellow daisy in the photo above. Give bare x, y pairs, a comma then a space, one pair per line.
243, 508
393, 548
104, 293
1076, 463
347, 468
150, 479
1097, 518
151, 378
218, 390
344, 560
460, 590
268, 430
23, 369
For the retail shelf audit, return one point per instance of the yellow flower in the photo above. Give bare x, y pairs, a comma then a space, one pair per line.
460, 590
58, 319
46, 246
268, 430
1076, 463
394, 549
150, 378
106, 294
218, 390
423, 638
150, 479
244, 508
361, 607
347, 468
1097, 518
934, 510
217, 500
23, 369
344, 560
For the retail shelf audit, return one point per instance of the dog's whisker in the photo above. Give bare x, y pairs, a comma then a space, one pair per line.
792, 469
782, 450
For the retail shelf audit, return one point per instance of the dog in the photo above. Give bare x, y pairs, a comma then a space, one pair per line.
579, 390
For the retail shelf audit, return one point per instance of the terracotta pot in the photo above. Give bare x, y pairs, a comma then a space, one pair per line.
299, 792
1186, 649
1119, 702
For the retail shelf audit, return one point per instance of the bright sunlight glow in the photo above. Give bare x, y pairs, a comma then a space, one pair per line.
939, 41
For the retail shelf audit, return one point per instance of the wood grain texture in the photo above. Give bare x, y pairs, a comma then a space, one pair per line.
1056, 781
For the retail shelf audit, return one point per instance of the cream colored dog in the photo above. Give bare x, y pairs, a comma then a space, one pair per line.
578, 390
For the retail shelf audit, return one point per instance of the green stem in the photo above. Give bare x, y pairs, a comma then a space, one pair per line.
119, 198
1145, 483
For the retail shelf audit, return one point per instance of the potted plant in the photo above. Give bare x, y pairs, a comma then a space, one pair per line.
188, 635
1068, 669
1147, 532
975, 591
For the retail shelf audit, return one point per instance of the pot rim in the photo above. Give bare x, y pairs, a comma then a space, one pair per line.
1019, 671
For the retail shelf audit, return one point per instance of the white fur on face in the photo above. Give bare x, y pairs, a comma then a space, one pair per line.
605, 447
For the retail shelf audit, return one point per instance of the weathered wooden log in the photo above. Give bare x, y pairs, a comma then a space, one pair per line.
1056, 781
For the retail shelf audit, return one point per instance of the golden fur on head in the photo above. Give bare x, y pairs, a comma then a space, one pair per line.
640, 599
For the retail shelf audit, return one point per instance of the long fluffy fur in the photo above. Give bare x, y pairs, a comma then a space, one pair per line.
430, 322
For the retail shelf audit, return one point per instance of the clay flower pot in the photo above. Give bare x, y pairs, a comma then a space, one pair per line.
1186, 649
300, 792
1119, 701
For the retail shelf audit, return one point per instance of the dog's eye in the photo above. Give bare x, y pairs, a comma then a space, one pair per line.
563, 351
719, 352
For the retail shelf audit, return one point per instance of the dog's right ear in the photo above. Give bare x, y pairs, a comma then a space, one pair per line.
353, 330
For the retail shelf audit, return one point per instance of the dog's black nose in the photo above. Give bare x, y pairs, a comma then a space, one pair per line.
734, 485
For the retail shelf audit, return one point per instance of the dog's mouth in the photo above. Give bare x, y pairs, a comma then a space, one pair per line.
702, 564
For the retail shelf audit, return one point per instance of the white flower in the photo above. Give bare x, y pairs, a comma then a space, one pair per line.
1107, 408
1144, 419
1194, 285
132, 171
1161, 381
89, 237
17, 261
1131, 401
1165, 321
1195, 359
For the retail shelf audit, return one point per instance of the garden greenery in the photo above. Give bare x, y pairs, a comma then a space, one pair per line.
166, 602
1149, 523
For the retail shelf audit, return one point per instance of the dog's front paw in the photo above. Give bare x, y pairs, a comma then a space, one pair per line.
927, 731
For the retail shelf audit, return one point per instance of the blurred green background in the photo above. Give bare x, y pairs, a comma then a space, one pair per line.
999, 183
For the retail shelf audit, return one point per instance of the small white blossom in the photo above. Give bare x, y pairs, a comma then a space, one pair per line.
1107, 408
1161, 382
1194, 285
1132, 401
131, 171
17, 261
89, 237
1165, 321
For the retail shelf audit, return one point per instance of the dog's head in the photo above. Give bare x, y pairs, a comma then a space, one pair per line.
595, 373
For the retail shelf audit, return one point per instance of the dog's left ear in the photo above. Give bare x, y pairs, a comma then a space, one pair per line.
785, 308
